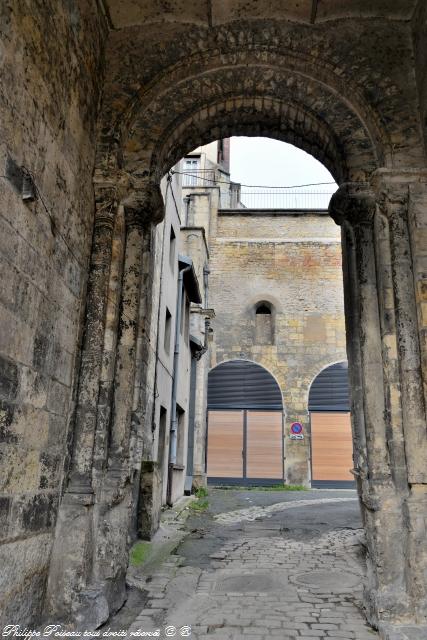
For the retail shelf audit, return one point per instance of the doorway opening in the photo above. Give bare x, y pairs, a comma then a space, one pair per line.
245, 425
331, 437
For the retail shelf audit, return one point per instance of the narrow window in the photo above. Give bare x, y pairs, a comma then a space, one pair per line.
172, 249
181, 437
185, 317
168, 330
161, 449
264, 330
220, 155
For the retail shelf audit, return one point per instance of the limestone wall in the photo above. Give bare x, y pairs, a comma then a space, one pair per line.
292, 261
51, 70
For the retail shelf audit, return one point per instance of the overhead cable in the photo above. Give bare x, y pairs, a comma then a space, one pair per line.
254, 186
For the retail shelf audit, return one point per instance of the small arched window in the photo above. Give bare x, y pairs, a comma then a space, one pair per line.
263, 310
264, 325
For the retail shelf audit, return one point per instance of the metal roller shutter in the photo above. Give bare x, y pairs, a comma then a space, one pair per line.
330, 390
239, 384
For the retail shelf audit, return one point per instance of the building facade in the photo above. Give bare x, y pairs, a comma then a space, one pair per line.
175, 345
276, 287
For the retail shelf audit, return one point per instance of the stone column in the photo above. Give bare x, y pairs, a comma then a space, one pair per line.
394, 425
126, 347
80, 475
396, 192
114, 506
351, 307
394, 200
106, 383
143, 208
354, 207
76, 588
71, 555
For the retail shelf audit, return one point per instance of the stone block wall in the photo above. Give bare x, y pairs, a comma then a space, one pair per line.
51, 69
293, 262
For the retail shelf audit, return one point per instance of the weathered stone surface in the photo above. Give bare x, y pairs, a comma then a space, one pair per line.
346, 83
29, 559
51, 67
149, 500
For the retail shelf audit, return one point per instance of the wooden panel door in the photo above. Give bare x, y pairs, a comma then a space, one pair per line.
264, 450
225, 444
331, 446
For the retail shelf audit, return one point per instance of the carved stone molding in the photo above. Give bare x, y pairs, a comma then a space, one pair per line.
354, 202
143, 203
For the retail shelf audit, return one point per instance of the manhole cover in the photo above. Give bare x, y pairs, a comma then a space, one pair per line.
335, 581
254, 583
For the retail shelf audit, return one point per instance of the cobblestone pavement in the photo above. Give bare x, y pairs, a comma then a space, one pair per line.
261, 572
256, 512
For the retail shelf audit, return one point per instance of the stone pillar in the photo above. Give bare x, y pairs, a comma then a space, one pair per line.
394, 425
77, 588
126, 347
398, 194
112, 511
80, 475
351, 307
71, 555
106, 383
114, 507
354, 207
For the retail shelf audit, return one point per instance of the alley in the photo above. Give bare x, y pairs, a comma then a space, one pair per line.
262, 564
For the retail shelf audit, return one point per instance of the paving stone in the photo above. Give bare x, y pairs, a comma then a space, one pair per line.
254, 591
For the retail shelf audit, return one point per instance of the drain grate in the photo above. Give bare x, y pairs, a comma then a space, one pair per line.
249, 583
333, 581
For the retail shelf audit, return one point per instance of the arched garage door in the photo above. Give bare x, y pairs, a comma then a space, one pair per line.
245, 425
331, 438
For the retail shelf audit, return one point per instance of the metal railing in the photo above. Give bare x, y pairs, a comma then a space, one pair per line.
235, 196
286, 199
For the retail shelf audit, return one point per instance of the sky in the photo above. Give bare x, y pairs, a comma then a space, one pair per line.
263, 161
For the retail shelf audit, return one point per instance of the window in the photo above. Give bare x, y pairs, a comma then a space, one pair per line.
185, 317
263, 310
161, 449
220, 155
180, 436
168, 330
172, 249
264, 329
191, 172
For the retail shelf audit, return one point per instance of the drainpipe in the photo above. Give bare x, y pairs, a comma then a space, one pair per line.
174, 420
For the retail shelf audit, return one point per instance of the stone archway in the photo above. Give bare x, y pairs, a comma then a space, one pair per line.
258, 81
